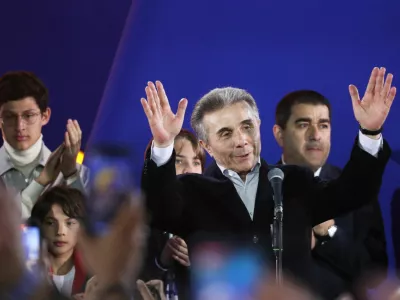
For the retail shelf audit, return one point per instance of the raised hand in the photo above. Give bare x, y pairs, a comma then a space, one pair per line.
52, 168
72, 142
164, 124
116, 257
11, 251
372, 110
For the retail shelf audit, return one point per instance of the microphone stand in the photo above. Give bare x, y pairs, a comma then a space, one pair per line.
278, 241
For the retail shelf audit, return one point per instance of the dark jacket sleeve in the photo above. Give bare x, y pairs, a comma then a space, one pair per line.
373, 243
358, 253
165, 201
156, 242
359, 184
395, 213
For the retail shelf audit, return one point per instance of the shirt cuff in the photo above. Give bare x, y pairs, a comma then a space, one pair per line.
159, 265
370, 145
161, 155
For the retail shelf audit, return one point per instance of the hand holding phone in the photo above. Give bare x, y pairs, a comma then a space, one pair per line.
31, 243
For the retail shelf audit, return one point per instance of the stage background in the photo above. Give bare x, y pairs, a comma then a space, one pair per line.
84, 54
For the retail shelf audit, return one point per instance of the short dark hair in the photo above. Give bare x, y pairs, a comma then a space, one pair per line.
18, 85
70, 200
285, 105
185, 134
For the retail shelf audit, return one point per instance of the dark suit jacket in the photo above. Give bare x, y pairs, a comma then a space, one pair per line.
395, 213
356, 252
155, 244
208, 206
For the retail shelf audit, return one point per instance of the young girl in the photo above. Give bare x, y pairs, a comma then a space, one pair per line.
59, 212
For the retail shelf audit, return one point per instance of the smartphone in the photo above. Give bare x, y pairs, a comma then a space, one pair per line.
111, 183
31, 243
220, 271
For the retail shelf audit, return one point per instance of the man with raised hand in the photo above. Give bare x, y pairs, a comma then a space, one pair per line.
233, 199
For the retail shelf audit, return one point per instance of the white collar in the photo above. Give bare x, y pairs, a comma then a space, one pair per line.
225, 170
22, 158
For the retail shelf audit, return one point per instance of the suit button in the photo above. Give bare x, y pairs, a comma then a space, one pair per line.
255, 239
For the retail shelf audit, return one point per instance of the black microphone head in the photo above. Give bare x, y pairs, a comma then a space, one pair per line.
275, 173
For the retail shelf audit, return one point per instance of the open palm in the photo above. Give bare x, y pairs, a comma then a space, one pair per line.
164, 124
372, 111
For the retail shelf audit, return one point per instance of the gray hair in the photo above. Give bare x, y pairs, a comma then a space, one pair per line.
218, 99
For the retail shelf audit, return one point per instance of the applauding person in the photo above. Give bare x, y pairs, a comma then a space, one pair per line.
26, 164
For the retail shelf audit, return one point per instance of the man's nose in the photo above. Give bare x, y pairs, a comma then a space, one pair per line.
20, 123
314, 133
240, 139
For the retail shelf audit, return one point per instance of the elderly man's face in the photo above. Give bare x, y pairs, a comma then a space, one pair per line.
233, 137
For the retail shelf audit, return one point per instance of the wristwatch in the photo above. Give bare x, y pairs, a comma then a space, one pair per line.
332, 230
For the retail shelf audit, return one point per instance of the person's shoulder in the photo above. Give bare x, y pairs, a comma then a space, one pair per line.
296, 170
331, 171
196, 178
295, 176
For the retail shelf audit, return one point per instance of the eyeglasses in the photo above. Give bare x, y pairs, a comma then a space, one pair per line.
29, 118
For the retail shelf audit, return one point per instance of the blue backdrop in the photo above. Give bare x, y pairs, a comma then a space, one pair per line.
267, 47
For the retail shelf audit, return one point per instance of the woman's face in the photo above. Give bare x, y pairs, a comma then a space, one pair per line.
186, 159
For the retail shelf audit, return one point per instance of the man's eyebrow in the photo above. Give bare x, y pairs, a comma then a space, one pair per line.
223, 129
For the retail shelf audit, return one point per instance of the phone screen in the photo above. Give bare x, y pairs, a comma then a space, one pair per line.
222, 272
111, 183
31, 243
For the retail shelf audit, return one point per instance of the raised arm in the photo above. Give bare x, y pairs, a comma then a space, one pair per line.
361, 178
164, 193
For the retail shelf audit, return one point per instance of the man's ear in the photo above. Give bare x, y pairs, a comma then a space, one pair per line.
206, 147
278, 134
46, 116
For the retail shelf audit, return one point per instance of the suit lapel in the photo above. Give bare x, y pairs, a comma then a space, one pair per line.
324, 174
328, 173
264, 204
227, 197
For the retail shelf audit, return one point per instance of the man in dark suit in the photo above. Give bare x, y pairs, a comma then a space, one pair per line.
234, 199
394, 212
349, 249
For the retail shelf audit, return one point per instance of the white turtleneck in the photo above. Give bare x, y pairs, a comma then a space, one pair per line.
26, 160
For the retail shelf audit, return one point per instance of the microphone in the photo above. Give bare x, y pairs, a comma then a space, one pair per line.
275, 177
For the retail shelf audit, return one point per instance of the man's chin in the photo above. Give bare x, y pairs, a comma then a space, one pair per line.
59, 251
21, 146
314, 166
245, 168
